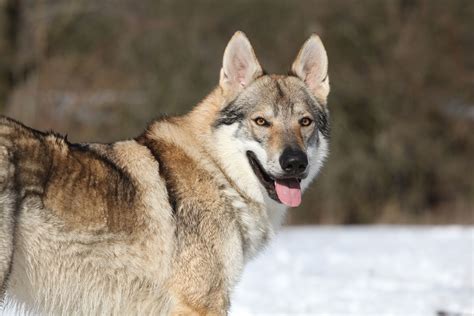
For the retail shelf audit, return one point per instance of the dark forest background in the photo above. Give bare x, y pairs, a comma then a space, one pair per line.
402, 75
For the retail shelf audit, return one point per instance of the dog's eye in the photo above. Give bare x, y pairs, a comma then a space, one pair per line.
306, 121
260, 121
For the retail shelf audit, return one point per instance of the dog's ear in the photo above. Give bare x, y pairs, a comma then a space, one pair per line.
239, 66
311, 66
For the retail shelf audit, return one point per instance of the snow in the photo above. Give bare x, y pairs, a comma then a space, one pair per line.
378, 270
360, 270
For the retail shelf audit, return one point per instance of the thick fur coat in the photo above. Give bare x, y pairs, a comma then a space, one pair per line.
162, 223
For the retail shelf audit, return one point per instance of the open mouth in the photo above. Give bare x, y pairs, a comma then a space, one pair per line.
283, 190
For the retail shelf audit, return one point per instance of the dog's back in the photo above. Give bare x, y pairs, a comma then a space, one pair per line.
25, 160
44, 178
13, 138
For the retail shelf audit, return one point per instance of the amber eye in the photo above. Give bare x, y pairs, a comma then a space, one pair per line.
306, 121
260, 121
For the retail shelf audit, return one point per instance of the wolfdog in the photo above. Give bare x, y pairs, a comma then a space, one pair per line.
162, 223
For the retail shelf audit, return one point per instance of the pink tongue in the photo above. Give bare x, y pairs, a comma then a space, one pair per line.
289, 192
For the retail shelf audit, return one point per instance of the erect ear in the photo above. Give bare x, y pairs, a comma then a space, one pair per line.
311, 65
239, 66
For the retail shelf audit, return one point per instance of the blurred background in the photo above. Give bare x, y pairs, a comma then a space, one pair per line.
402, 75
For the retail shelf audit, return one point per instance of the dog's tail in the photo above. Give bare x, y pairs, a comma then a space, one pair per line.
7, 203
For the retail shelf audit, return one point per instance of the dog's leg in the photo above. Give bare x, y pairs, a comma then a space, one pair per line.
185, 310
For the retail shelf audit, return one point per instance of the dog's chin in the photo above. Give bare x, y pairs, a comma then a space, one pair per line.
277, 187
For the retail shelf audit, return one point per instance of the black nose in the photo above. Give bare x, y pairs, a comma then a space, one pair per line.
293, 161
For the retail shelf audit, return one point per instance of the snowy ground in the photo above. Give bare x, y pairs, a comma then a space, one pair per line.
381, 270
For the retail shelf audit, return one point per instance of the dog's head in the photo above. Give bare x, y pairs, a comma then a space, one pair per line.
280, 123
